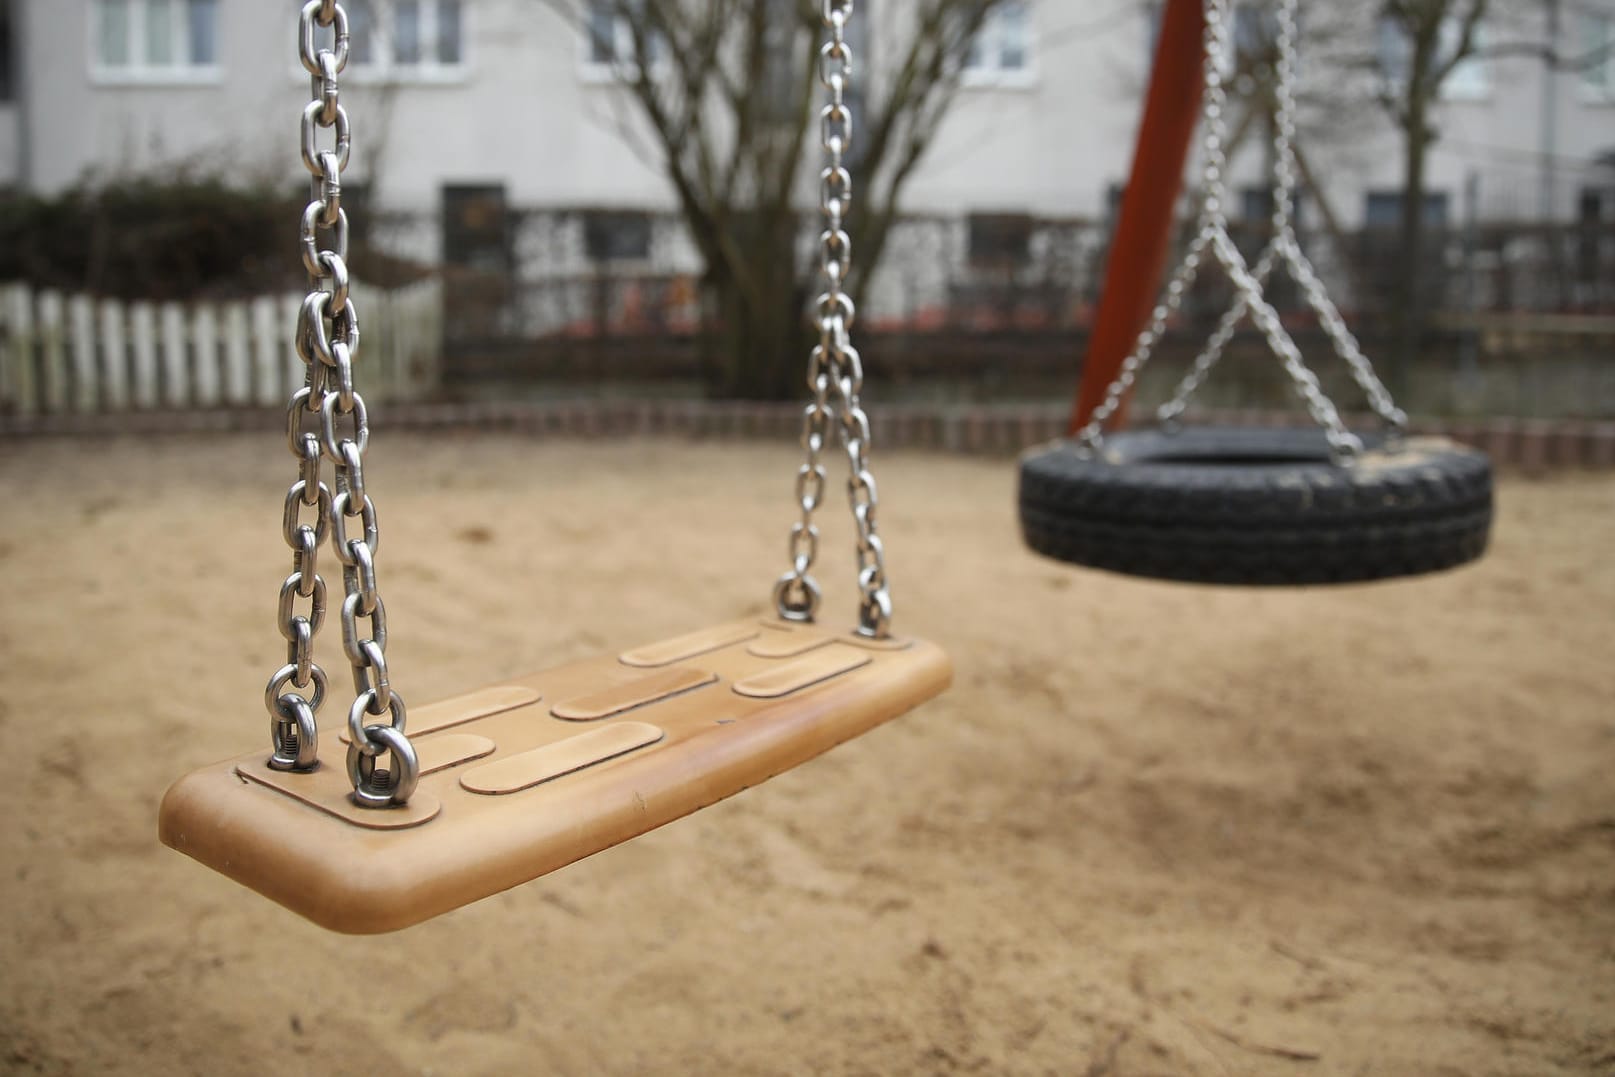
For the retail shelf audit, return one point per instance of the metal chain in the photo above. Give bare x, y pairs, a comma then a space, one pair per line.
1212, 234
327, 420
1286, 248
835, 371
297, 689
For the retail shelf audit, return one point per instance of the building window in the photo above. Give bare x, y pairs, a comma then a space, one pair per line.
1592, 213
1002, 49
1115, 195
158, 40
609, 35
1256, 205
1383, 209
408, 38
1598, 45
616, 236
8, 86
610, 39
1000, 240
1590, 205
1253, 41
1393, 52
1471, 80
780, 86
1256, 34
477, 227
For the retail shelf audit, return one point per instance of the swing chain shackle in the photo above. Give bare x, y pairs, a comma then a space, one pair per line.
835, 370
327, 420
1212, 237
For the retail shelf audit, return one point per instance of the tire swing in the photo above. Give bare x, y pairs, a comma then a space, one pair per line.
497, 787
1254, 506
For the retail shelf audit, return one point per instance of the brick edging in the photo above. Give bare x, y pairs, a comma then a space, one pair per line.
1531, 445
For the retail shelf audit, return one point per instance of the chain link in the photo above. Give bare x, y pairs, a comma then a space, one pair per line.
1285, 248
1212, 236
835, 371
327, 421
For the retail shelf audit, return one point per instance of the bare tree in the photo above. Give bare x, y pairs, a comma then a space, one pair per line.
1441, 36
1396, 54
1429, 40
725, 93
1323, 114
1401, 55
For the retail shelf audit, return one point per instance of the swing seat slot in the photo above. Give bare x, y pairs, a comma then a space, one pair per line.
637, 693
781, 645
679, 648
451, 749
466, 708
568, 793
819, 665
527, 769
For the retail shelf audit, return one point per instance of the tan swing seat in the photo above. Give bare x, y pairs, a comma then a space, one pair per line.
526, 777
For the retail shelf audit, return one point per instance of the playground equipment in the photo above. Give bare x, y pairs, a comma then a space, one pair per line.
1228, 504
496, 787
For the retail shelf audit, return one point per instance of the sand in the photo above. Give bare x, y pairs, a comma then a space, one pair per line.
1152, 829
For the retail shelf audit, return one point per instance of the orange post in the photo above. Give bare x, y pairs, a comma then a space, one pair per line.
1144, 231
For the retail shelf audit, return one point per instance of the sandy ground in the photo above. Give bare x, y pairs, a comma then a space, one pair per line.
1153, 828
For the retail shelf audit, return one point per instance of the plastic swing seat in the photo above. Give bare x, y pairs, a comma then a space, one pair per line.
523, 778
440, 806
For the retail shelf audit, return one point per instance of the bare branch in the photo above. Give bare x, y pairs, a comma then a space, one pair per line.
726, 93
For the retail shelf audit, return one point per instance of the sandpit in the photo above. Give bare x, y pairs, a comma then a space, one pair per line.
1152, 829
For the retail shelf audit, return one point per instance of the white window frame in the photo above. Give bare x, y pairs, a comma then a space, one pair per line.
623, 61
383, 68
139, 72
989, 72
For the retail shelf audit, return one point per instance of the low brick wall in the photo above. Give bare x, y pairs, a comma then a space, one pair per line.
1532, 445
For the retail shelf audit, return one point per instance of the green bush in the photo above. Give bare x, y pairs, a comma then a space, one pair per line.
178, 239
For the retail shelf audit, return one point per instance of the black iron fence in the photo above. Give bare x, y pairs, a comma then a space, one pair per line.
1001, 304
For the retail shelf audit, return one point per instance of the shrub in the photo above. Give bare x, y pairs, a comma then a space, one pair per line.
169, 239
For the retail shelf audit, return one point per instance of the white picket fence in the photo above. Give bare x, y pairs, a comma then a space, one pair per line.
61, 353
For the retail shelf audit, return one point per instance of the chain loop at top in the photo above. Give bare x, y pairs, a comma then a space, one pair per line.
319, 14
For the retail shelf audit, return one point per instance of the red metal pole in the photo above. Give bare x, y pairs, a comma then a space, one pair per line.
1144, 231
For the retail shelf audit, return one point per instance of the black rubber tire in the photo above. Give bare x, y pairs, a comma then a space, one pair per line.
1255, 506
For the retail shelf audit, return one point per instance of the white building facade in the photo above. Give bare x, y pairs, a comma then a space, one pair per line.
506, 96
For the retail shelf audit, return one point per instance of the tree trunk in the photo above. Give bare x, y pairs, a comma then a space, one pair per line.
1408, 322
754, 348
755, 342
